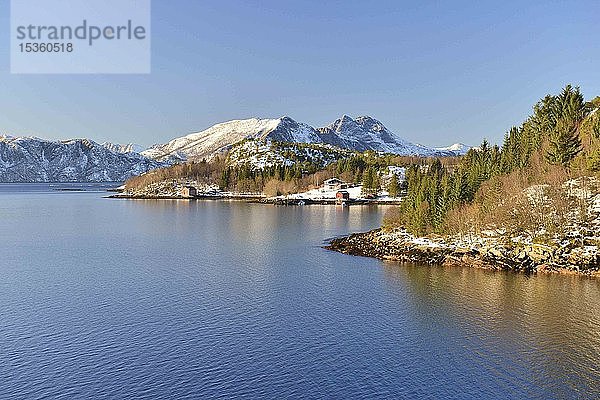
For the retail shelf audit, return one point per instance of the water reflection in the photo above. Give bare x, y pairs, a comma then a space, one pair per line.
202, 299
547, 326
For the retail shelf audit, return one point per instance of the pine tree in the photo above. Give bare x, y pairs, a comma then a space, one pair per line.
376, 181
569, 105
564, 143
393, 186
433, 191
225, 177
367, 181
370, 181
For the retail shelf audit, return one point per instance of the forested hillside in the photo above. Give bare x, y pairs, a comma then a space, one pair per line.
522, 185
297, 173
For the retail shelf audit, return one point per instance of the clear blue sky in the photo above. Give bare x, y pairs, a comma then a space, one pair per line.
433, 72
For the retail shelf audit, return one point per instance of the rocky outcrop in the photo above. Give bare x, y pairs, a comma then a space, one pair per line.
570, 255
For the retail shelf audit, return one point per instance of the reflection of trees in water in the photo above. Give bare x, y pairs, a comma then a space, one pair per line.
264, 220
536, 332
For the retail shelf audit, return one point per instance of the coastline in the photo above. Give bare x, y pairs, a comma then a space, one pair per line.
477, 252
255, 199
178, 197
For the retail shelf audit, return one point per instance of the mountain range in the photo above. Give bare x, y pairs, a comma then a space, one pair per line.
31, 159
358, 134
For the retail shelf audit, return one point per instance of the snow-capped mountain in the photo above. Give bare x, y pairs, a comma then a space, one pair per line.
219, 138
360, 134
262, 141
30, 159
459, 149
366, 133
123, 148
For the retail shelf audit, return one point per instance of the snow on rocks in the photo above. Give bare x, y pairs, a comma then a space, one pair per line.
576, 250
30, 159
262, 153
358, 134
474, 251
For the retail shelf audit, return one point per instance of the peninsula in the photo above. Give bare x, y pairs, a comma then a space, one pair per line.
531, 205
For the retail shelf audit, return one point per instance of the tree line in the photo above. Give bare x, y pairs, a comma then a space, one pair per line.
559, 139
280, 179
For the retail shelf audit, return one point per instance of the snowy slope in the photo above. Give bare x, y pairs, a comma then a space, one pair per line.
219, 138
123, 148
261, 153
459, 149
366, 133
30, 159
360, 134
288, 130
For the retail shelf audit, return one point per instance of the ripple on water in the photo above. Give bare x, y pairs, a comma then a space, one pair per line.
119, 299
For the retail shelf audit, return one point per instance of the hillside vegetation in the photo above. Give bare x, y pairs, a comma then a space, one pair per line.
283, 168
541, 181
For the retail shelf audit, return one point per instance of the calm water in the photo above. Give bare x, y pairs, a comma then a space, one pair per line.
114, 299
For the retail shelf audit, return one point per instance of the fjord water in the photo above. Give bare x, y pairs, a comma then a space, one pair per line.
107, 299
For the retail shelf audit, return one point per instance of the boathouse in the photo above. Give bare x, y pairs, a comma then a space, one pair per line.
189, 191
342, 196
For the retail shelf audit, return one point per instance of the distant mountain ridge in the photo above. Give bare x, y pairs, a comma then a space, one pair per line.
459, 149
359, 134
123, 148
31, 159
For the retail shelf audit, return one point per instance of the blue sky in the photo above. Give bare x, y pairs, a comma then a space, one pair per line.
433, 72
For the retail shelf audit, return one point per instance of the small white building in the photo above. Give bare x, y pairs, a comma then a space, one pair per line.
189, 191
334, 184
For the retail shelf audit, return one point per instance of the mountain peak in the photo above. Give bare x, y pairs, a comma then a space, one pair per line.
370, 123
456, 148
366, 118
359, 134
345, 122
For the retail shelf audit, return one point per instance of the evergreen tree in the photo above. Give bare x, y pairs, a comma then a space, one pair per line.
596, 128
393, 187
564, 143
376, 181
433, 191
225, 176
368, 181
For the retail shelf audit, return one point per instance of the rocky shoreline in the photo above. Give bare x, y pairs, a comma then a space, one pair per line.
570, 256
249, 198
252, 198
